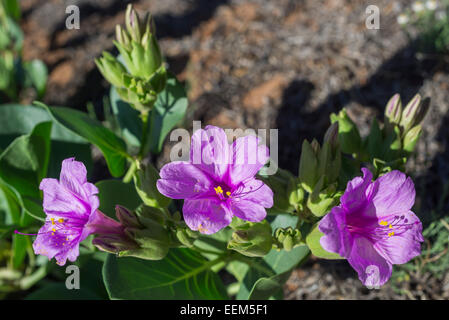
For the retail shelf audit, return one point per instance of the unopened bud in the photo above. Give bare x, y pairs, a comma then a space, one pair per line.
411, 138
414, 113
393, 110
252, 239
331, 136
308, 165
349, 136
111, 69
114, 243
126, 217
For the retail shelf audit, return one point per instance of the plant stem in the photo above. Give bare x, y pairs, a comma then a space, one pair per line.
144, 117
129, 174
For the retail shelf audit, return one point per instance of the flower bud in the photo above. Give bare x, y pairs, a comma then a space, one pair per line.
252, 239
295, 194
331, 137
145, 181
153, 242
111, 69
393, 110
186, 236
349, 136
132, 23
414, 113
322, 201
308, 166
411, 138
123, 37
287, 238
114, 243
126, 217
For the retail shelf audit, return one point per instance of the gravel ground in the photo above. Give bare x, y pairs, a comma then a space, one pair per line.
281, 64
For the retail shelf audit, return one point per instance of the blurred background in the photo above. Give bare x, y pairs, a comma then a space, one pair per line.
284, 64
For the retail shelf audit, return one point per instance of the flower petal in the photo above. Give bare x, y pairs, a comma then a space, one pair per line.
395, 194
209, 151
247, 158
336, 237
59, 200
248, 210
372, 268
73, 176
256, 191
206, 216
403, 246
182, 180
55, 244
355, 196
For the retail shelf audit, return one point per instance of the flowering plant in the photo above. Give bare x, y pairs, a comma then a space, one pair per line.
164, 234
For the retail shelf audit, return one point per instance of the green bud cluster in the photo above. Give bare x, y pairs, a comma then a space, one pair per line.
142, 75
319, 169
147, 227
387, 146
250, 238
287, 238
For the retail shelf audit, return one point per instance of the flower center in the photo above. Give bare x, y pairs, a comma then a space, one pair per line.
222, 195
387, 228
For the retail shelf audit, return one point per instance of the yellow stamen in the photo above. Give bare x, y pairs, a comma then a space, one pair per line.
383, 223
60, 220
228, 193
390, 234
54, 230
390, 226
218, 190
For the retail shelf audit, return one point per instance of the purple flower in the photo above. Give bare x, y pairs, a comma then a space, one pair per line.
374, 227
72, 212
218, 182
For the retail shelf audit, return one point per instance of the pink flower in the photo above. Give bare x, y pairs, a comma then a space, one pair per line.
72, 212
374, 227
219, 181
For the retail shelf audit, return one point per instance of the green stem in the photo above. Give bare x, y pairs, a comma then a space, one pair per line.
143, 146
129, 174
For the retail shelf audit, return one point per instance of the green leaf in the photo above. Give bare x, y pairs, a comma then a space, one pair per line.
183, 274
112, 147
25, 161
115, 192
128, 119
20, 244
9, 205
274, 263
264, 288
37, 73
17, 120
313, 241
168, 111
374, 141
12, 8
